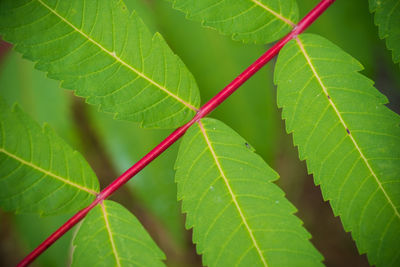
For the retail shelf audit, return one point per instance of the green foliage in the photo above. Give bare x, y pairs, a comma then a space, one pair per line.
39, 172
116, 68
239, 217
111, 236
387, 18
349, 139
259, 21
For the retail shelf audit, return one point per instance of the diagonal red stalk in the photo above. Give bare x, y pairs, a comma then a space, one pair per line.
174, 136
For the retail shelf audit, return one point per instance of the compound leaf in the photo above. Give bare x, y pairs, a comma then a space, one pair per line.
259, 21
387, 18
104, 52
39, 172
239, 216
112, 236
349, 139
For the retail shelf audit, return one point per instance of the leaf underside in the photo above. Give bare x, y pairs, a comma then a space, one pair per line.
39, 172
387, 18
111, 236
349, 139
239, 217
256, 21
105, 53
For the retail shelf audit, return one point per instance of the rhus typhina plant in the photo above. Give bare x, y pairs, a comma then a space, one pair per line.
239, 217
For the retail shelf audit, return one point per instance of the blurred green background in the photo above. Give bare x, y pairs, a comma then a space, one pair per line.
113, 146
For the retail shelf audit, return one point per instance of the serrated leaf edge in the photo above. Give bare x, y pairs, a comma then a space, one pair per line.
383, 35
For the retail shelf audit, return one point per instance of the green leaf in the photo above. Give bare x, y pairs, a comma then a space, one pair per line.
125, 70
39, 172
387, 18
239, 217
112, 236
259, 21
349, 138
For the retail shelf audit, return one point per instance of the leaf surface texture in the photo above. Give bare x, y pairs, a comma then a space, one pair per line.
112, 236
349, 139
106, 54
387, 18
239, 217
257, 21
39, 172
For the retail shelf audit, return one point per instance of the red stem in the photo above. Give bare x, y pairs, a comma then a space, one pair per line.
174, 136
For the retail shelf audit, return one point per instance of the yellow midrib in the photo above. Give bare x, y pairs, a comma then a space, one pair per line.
110, 236
232, 194
118, 59
48, 173
279, 16
309, 61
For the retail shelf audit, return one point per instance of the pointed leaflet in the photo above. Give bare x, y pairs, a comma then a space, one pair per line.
387, 18
106, 54
239, 216
259, 21
112, 236
39, 172
350, 140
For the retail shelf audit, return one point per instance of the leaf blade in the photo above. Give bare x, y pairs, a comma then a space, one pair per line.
259, 21
116, 68
238, 216
47, 166
121, 240
348, 138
